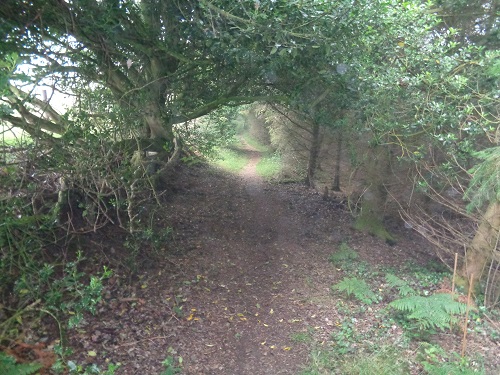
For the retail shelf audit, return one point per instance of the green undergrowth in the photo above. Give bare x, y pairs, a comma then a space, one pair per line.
373, 360
9, 366
230, 159
374, 226
34, 284
387, 320
255, 144
269, 166
378, 360
233, 158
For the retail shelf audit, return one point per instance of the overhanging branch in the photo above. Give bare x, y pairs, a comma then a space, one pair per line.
230, 101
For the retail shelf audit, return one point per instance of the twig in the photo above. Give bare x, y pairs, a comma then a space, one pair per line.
454, 275
20, 312
61, 336
464, 341
453, 282
173, 314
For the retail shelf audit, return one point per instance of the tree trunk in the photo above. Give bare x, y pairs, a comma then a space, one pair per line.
377, 172
313, 154
336, 177
483, 246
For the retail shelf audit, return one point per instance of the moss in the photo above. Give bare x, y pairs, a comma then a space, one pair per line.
369, 223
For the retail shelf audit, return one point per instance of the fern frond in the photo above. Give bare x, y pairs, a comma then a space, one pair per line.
484, 186
353, 286
401, 285
435, 311
343, 253
9, 366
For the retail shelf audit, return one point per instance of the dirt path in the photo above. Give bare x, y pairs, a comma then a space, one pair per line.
255, 275
251, 274
268, 285
256, 299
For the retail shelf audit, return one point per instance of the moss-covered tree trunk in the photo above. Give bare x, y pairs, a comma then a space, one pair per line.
376, 175
483, 246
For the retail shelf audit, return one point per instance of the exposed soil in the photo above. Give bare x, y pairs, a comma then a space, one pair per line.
247, 269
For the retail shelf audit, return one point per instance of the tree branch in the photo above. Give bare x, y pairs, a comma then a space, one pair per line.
230, 101
45, 107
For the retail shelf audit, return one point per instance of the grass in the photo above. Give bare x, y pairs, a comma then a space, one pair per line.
321, 361
269, 166
13, 136
301, 337
377, 360
230, 159
383, 361
254, 143
234, 160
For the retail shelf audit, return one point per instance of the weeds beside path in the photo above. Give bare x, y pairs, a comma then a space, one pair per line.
245, 289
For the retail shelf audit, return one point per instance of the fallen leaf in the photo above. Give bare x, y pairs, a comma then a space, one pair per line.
91, 353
